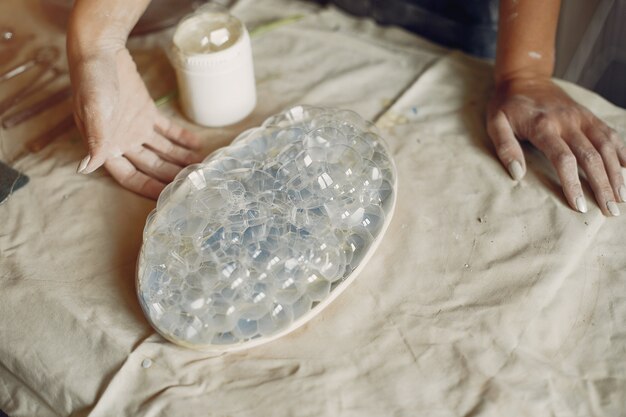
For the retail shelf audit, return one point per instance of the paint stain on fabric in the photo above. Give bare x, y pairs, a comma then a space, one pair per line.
389, 120
386, 102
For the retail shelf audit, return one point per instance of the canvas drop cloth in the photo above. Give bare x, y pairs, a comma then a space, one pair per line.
487, 297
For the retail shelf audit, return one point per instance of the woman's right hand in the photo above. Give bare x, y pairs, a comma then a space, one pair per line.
141, 148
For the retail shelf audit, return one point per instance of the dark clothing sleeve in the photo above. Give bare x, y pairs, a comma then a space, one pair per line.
469, 25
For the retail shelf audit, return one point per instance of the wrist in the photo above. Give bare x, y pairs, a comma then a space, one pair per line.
512, 64
85, 45
502, 79
97, 27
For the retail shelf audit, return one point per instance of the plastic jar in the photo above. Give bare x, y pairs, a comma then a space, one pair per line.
212, 56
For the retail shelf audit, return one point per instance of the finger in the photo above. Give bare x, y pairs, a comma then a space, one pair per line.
95, 155
619, 146
564, 161
79, 124
94, 160
81, 130
150, 163
127, 175
592, 163
608, 151
166, 127
172, 152
598, 124
89, 124
507, 146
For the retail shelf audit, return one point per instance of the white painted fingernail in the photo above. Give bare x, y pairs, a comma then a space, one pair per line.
83, 164
613, 209
581, 204
515, 170
622, 193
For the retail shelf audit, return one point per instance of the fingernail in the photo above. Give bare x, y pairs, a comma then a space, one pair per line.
613, 209
83, 164
581, 204
622, 193
515, 170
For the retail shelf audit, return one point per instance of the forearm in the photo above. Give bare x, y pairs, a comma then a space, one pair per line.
526, 38
97, 25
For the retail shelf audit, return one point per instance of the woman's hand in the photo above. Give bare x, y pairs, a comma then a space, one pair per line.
142, 149
568, 134
527, 105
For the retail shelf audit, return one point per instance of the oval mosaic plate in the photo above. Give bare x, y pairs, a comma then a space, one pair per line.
260, 237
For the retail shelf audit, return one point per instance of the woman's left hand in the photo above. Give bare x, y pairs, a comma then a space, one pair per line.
569, 135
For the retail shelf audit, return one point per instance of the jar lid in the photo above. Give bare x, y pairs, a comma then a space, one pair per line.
208, 37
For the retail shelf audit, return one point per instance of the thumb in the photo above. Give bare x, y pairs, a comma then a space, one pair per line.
94, 160
97, 155
507, 146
